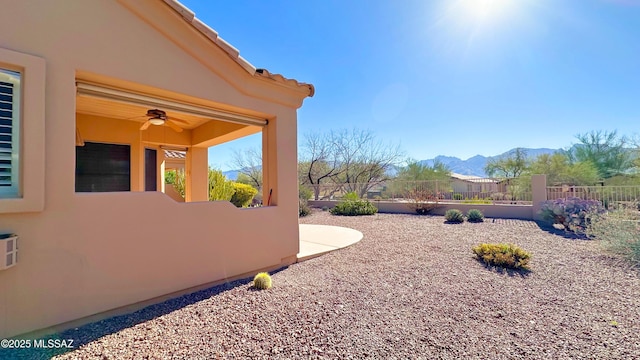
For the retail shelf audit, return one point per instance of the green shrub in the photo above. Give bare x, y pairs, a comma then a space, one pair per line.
262, 281
220, 189
475, 215
618, 230
477, 200
303, 208
504, 255
351, 196
243, 194
304, 193
454, 216
354, 208
169, 176
458, 196
179, 182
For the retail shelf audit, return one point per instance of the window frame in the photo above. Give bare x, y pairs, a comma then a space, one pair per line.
13, 190
29, 196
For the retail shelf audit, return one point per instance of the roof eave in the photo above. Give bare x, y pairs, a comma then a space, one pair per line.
189, 16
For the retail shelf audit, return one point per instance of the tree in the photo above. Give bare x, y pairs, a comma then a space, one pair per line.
349, 160
508, 166
249, 165
421, 184
560, 170
364, 160
416, 171
319, 161
607, 151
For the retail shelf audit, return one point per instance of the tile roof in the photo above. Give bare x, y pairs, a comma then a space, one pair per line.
471, 178
189, 17
175, 154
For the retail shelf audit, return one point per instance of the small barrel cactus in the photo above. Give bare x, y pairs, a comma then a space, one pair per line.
454, 216
475, 215
262, 281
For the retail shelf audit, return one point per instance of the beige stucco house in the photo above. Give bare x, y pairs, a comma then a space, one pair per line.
82, 157
469, 184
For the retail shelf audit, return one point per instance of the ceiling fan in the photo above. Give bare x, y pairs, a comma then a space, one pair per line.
159, 117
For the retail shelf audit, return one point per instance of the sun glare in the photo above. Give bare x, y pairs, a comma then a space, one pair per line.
478, 24
484, 10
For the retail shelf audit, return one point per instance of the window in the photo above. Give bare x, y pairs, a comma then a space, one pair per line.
150, 170
22, 132
9, 133
103, 167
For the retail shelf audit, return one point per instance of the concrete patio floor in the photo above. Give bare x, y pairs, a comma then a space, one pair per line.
316, 240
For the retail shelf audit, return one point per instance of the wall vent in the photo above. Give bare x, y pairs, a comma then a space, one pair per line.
8, 250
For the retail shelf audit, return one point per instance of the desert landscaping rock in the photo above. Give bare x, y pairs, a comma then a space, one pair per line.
410, 289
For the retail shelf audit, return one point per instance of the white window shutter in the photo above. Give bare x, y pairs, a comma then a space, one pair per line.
9, 133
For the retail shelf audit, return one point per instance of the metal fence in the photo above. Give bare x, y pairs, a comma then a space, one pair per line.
609, 196
477, 191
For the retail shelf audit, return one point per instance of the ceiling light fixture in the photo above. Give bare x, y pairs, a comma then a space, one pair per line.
156, 121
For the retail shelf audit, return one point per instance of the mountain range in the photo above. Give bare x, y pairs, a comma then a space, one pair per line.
475, 165
471, 166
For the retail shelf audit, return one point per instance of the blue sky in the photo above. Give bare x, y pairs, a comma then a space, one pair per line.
450, 77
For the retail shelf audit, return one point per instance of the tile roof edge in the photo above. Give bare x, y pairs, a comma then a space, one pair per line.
211, 34
281, 79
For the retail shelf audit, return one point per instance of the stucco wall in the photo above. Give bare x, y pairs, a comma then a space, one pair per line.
524, 212
87, 253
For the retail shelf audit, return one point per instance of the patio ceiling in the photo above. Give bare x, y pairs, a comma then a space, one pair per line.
208, 126
122, 111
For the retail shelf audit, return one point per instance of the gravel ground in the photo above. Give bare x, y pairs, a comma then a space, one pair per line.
409, 290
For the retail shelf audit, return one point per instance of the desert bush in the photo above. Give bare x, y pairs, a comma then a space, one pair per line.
179, 181
458, 196
304, 193
351, 196
354, 208
454, 216
219, 187
262, 281
497, 196
618, 230
504, 255
475, 215
243, 194
423, 201
476, 200
169, 176
570, 212
303, 208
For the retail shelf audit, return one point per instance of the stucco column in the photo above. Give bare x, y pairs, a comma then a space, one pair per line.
538, 193
197, 175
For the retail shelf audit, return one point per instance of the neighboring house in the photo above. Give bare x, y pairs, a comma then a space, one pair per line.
95, 230
468, 184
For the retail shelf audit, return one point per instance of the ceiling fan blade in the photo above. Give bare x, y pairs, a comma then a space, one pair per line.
145, 125
177, 120
173, 125
136, 117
